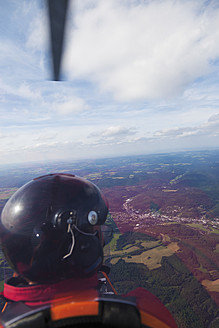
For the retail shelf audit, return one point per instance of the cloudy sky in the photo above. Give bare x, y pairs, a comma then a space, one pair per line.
140, 77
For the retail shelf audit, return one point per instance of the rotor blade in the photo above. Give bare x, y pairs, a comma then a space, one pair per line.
57, 19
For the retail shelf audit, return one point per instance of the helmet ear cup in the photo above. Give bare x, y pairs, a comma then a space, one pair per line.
88, 254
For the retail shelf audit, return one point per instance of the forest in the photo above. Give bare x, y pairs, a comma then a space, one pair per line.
172, 283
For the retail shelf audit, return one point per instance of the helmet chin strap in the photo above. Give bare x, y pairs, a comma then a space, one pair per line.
73, 241
69, 230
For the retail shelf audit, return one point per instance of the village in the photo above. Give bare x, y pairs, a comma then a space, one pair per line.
136, 219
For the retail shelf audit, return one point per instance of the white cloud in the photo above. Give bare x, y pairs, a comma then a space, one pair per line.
68, 106
134, 50
38, 34
2, 135
77, 142
214, 118
45, 136
176, 132
210, 129
39, 102
119, 131
139, 50
24, 39
25, 91
113, 134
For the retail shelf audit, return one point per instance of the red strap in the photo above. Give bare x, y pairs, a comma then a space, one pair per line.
46, 293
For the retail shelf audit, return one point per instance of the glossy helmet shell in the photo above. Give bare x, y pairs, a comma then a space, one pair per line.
35, 229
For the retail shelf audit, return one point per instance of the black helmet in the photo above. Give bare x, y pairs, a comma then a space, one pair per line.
49, 228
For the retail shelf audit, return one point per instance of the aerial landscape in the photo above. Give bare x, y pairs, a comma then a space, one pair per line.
164, 213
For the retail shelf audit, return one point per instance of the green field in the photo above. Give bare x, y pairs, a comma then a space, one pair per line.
148, 252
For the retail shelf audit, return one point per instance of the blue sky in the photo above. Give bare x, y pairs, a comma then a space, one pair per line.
140, 77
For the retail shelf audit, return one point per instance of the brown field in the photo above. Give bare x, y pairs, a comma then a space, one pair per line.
174, 247
212, 286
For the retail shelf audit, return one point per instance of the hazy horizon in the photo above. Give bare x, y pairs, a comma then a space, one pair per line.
90, 159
